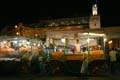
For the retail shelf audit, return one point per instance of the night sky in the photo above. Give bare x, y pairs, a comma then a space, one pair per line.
49, 9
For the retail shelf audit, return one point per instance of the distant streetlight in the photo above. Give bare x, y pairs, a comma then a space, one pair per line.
17, 33
16, 26
36, 35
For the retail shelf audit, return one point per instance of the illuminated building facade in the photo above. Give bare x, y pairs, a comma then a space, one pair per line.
38, 30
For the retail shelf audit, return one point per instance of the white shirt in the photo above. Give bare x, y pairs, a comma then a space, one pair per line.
77, 46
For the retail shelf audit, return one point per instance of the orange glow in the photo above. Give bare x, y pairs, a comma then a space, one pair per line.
17, 33
110, 42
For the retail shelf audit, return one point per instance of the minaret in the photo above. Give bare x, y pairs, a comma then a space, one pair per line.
94, 21
94, 10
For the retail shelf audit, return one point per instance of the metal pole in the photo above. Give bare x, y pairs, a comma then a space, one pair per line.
88, 51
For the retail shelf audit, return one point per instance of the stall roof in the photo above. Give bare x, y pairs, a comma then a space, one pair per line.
61, 34
6, 38
11, 37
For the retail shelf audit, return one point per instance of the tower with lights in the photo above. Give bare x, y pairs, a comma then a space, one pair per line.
94, 21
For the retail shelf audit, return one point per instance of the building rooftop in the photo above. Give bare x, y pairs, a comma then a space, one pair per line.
60, 22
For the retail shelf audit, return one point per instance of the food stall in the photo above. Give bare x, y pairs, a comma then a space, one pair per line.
16, 52
92, 42
17, 46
